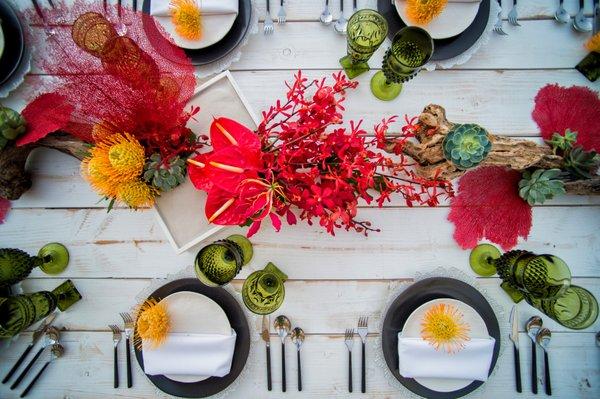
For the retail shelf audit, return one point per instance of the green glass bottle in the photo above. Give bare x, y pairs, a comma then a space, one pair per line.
21, 311
577, 308
367, 29
263, 291
412, 47
16, 265
218, 263
523, 272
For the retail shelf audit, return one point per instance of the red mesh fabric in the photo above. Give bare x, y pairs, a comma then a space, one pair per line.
120, 78
577, 108
488, 206
4, 208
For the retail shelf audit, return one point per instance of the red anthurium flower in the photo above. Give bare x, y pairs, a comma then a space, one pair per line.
225, 208
198, 172
225, 132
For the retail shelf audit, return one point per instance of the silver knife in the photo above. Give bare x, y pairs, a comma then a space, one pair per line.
37, 334
514, 337
266, 336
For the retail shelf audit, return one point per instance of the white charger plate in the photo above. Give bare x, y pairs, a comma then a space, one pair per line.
454, 19
195, 313
412, 329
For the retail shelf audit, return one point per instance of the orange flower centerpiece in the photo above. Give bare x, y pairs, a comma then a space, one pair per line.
443, 327
152, 323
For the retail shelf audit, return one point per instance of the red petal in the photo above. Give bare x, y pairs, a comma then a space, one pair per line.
253, 228
4, 208
488, 206
291, 218
275, 221
198, 175
44, 115
577, 108
233, 133
235, 214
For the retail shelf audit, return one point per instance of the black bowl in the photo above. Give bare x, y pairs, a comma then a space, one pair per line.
237, 319
14, 42
415, 296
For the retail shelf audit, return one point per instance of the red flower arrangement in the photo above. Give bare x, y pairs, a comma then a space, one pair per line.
301, 156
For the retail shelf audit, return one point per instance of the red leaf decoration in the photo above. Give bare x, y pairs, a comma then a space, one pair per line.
576, 108
488, 206
4, 208
44, 115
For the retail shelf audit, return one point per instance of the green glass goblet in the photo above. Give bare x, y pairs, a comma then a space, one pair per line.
21, 311
523, 272
577, 308
411, 48
16, 265
218, 263
263, 291
367, 29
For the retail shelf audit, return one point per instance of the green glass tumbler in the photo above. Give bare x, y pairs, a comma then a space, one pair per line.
16, 265
523, 272
412, 47
263, 291
577, 308
21, 311
366, 31
218, 263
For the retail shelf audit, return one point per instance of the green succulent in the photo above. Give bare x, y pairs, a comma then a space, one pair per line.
562, 143
164, 176
12, 125
581, 163
466, 145
541, 185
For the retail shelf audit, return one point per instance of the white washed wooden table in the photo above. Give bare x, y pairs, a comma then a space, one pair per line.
333, 280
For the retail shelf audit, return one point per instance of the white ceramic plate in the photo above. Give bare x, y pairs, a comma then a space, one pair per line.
412, 329
191, 312
454, 19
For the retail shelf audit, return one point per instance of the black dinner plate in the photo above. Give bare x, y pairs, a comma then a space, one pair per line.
237, 319
215, 51
443, 48
14, 42
413, 297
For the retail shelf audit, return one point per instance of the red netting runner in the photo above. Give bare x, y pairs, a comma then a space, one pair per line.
115, 77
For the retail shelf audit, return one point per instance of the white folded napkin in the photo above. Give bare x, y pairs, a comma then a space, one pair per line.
419, 359
207, 355
207, 7
218, 17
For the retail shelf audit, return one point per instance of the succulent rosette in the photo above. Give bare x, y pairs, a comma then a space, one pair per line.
466, 145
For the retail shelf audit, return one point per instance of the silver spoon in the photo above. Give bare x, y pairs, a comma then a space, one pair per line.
580, 22
561, 14
297, 337
56, 351
533, 326
326, 16
341, 25
543, 339
283, 327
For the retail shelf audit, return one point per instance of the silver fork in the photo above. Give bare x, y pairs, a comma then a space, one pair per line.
116, 339
281, 14
363, 330
349, 341
268, 27
512, 15
128, 322
498, 25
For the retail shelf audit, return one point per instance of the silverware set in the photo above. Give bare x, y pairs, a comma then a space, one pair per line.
268, 26
362, 331
513, 18
580, 22
283, 328
117, 334
51, 340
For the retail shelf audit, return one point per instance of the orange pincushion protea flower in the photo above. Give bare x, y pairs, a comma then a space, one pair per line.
443, 327
152, 323
424, 11
187, 18
593, 44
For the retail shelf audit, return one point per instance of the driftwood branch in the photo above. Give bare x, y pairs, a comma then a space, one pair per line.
14, 178
512, 153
